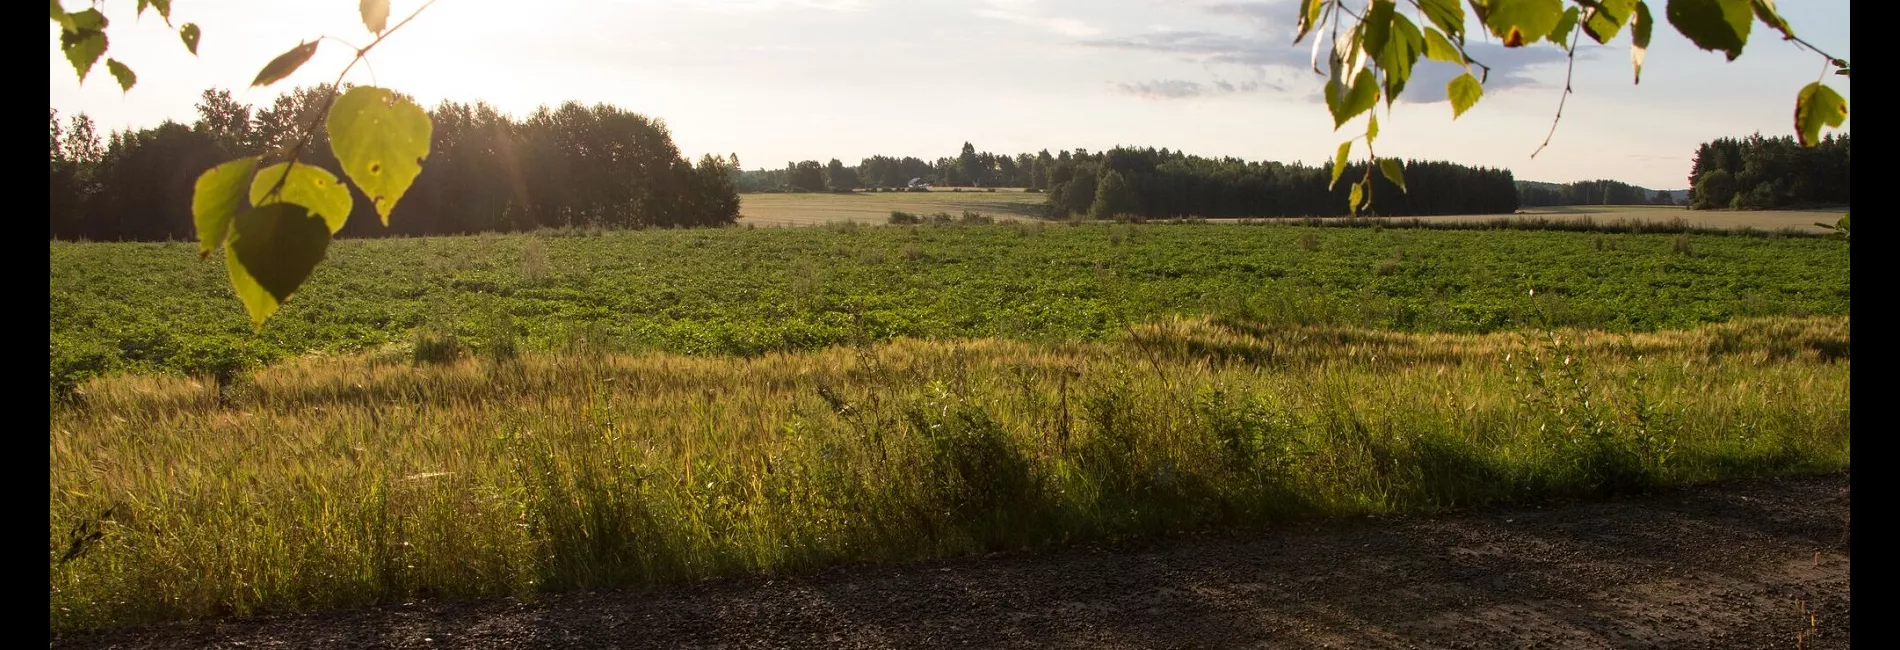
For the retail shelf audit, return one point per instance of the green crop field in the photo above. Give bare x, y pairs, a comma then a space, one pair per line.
504, 415
157, 307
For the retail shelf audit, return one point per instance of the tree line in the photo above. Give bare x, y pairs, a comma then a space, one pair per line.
1756, 173
1598, 192
571, 166
1159, 183
969, 168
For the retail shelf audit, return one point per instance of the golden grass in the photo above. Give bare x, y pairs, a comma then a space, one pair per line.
1763, 220
341, 480
806, 209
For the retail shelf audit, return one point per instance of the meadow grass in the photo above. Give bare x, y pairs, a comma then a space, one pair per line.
341, 480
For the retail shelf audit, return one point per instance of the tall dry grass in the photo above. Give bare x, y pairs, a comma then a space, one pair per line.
339, 481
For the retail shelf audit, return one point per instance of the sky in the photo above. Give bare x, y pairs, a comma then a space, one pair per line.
782, 80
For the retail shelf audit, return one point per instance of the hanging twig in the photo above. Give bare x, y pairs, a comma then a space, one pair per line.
1568, 71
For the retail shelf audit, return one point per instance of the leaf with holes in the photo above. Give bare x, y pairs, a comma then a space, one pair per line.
217, 198
1606, 19
1464, 93
285, 64
1447, 15
310, 186
122, 74
375, 15
1339, 162
189, 34
1817, 105
85, 42
273, 249
1394, 171
1714, 25
1522, 22
381, 140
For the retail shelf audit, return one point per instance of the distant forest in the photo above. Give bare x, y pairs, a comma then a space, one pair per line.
1757, 173
1532, 194
1159, 183
486, 171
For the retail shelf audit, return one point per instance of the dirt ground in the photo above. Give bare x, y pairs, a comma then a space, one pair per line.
1756, 564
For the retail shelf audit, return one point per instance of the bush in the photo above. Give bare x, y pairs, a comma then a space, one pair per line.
437, 346
976, 219
1716, 189
1681, 246
900, 218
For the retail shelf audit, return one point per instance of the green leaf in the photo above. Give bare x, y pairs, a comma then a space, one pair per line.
1464, 93
164, 8
216, 200
1564, 26
83, 48
189, 34
1347, 103
1448, 15
122, 74
1394, 171
310, 186
1815, 106
1339, 162
1310, 11
381, 140
1439, 48
375, 15
60, 16
273, 250
285, 64
1372, 129
1713, 25
1522, 22
1843, 224
1358, 196
1401, 52
1603, 21
1639, 38
1378, 26
1765, 10
88, 20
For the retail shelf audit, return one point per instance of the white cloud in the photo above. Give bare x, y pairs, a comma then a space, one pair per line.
1022, 12
752, 6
